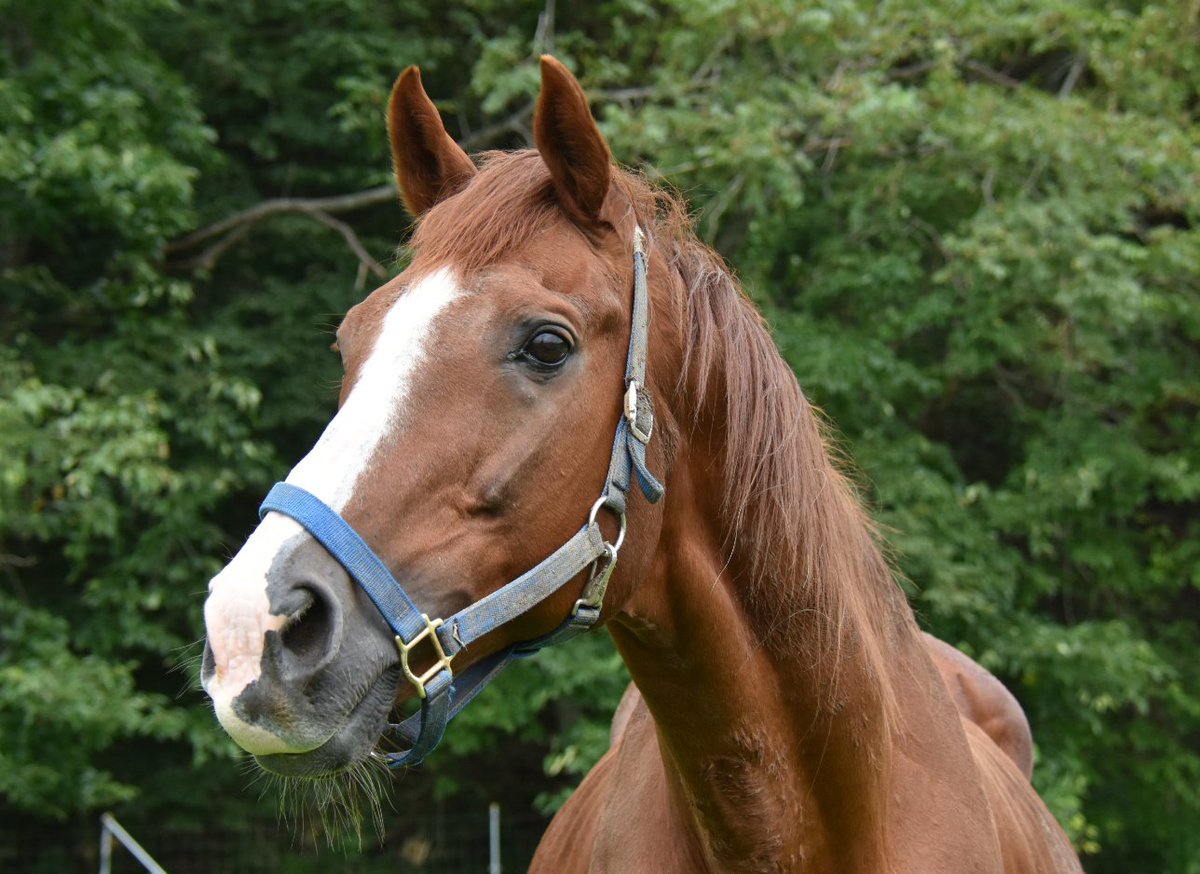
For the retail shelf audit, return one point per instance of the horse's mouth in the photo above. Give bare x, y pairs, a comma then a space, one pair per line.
351, 743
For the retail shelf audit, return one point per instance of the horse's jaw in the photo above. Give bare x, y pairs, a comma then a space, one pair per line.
351, 743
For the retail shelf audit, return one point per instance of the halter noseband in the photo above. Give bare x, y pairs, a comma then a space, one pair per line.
442, 694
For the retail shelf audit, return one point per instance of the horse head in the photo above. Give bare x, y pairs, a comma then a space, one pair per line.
482, 389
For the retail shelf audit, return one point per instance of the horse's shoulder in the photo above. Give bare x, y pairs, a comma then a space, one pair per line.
984, 701
1031, 839
598, 831
566, 846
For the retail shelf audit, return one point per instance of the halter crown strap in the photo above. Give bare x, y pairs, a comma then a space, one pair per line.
442, 694
638, 419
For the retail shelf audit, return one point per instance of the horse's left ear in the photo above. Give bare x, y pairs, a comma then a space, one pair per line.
429, 164
571, 144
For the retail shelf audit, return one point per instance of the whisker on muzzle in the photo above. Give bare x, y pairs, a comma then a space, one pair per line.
331, 808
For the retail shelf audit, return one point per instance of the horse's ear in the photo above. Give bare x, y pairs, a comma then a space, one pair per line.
571, 144
429, 164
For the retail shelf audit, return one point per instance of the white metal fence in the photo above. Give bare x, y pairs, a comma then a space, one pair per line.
448, 839
110, 829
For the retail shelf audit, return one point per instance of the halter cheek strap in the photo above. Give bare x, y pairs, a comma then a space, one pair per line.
442, 694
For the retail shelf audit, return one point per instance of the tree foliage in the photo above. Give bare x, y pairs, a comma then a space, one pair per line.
972, 225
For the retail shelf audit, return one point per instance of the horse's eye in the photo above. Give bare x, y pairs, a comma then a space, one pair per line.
547, 349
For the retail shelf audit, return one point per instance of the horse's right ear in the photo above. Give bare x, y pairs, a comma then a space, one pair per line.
429, 165
570, 143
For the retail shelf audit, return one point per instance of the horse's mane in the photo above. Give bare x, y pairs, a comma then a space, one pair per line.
806, 548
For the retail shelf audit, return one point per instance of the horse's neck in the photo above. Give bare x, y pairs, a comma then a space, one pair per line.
777, 749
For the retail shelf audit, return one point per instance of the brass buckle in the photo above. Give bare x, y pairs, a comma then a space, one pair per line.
631, 411
443, 661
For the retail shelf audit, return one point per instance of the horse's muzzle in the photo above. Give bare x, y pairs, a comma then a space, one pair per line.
284, 674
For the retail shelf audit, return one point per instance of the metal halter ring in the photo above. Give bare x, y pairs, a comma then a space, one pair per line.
601, 502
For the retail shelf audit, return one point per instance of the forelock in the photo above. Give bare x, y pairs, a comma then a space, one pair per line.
510, 201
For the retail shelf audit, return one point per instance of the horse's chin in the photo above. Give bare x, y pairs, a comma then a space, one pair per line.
350, 744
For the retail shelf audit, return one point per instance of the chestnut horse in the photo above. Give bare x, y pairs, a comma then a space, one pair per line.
788, 714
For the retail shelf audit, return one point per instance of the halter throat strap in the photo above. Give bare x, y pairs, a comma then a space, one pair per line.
438, 641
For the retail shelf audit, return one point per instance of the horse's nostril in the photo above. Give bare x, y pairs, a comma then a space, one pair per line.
308, 636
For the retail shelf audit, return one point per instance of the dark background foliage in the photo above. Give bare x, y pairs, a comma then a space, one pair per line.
973, 227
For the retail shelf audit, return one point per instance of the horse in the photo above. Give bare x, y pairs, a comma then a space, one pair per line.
786, 712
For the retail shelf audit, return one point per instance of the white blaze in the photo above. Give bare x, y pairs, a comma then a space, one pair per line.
375, 407
237, 613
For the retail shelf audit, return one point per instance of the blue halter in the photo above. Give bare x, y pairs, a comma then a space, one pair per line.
443, 694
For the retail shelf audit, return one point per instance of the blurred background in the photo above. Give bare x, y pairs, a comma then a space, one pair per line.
972, 225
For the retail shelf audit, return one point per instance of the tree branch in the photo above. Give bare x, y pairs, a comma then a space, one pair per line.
352, 241
992, 75
911, 71
1077, 67
233, 228
9, 560
209, 257
260, 211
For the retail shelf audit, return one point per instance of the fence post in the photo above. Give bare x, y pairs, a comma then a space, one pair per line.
106, 840
494, 837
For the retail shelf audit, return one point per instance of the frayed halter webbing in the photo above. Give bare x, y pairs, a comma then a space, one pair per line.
443, 694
